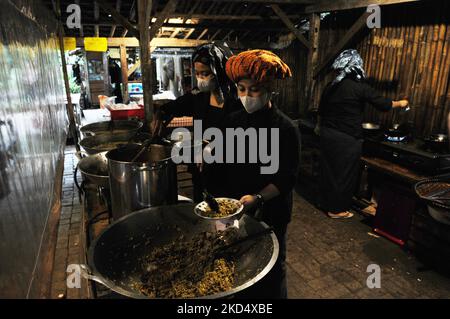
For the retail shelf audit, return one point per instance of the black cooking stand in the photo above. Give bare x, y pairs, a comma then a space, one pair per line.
411, 153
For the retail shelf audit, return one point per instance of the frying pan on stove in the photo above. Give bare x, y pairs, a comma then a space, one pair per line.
397, 132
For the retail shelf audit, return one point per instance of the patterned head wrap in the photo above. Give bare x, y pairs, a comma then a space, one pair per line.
216, 56
348, 62
258, 65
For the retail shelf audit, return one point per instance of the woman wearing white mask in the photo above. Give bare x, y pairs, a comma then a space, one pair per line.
215, 99
267, 195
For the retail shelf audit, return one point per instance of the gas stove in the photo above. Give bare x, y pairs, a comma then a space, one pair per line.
410, 153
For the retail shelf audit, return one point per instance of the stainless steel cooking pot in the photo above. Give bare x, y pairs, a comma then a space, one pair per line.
149, 181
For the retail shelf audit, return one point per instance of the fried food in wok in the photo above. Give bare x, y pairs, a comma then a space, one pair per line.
187, 269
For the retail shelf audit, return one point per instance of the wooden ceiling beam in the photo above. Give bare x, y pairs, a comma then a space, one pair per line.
237, 27
96, 18
215, 35
270, 1
113, 28
290, 25
161, 18
156, 42
175, 32
325, 6
191, 12
77, 2
345, 40
189, 34
131, 16
237, 16
119, 18
144, 17
202, 34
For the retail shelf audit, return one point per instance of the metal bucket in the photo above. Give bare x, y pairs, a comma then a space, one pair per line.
94, 169
150, 181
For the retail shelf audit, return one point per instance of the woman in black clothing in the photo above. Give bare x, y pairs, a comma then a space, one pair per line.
340, 126
216, 99
266, 195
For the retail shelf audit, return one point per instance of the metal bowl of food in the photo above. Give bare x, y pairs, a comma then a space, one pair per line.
230, 211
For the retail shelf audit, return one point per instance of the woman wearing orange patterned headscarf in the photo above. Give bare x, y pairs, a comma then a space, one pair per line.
269, 195
256, 69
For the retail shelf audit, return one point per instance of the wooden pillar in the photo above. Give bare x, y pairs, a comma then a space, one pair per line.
144, 13
70, 112
313, 56
124, 68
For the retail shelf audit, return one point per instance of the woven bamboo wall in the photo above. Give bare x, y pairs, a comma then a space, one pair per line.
290, 91
408, 56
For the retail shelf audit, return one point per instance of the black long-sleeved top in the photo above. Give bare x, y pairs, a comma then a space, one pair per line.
246, 179
198, 106
342, 105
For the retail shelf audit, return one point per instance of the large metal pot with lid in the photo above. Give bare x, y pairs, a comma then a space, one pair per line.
149, 181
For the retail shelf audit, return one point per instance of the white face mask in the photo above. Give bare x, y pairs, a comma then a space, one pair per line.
253, 104
206, 85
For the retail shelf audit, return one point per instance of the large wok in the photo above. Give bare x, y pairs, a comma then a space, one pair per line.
107, 142
114, 256
127, 129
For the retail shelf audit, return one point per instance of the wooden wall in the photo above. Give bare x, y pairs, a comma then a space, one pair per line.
290, 91
408, 56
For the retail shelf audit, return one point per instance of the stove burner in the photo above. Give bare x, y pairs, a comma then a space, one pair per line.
396, 139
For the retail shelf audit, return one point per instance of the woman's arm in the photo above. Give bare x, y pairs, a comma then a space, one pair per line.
400, 104
267, 193
380, 102
183, 106
283, 181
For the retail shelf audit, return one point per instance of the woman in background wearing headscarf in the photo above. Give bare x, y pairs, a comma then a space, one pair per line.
341, 112
216, 99
267, 195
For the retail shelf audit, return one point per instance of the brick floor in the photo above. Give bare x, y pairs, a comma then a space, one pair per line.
68, 246
326, 258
